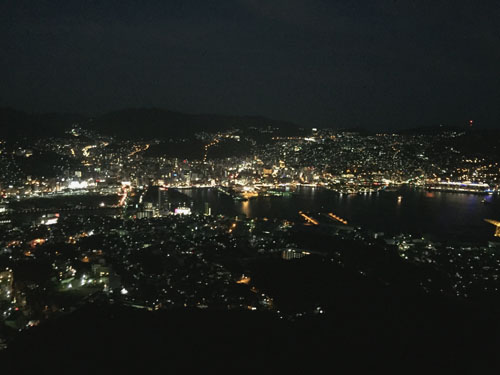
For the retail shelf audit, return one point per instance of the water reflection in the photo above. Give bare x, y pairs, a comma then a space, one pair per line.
245, 208
447, 215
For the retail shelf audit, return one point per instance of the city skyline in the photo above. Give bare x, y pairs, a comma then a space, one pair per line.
252, 186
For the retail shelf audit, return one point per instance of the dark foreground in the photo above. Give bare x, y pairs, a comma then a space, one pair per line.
110, 339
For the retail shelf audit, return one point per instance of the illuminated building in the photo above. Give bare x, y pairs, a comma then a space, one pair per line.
6, 282
289, 254
183, 211
163, 204
48, 219
266, 171
208, 209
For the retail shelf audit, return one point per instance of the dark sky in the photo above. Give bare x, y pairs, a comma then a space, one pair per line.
371, 63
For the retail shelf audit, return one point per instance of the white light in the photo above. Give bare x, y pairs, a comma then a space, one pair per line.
183, 211
50, 221
124, 291
77, 185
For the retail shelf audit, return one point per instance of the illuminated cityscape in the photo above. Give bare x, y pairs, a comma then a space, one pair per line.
116, 223
249, 187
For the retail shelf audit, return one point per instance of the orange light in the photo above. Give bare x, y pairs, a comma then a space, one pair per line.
244, 280
36, 242
335, 217
308, 218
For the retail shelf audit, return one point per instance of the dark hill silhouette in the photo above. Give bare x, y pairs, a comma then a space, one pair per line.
113, 339
128, 123
160, 123
366, 326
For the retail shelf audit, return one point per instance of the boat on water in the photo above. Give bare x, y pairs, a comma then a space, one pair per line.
461, 187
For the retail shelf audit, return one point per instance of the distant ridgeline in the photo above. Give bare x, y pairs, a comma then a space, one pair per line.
159, 123
155, 123
146, 123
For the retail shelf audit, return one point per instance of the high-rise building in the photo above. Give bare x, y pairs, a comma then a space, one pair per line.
208, 209
162, 199
6, 281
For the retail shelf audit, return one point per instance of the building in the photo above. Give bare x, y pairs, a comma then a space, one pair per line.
183, 211
290, 254
6, 283
48, 219
208, 209
163, 204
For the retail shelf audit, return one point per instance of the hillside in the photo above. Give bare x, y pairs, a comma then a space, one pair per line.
159, 123
128, 123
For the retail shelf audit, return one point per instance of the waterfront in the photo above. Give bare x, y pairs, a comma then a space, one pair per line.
442, 215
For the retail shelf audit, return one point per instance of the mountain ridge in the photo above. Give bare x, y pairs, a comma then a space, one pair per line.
129, 123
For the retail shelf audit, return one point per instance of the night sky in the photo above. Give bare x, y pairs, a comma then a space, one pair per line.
375, 64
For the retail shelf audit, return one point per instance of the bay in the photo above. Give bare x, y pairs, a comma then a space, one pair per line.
442, 215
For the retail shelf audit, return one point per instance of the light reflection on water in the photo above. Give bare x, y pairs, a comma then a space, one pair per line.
447, 215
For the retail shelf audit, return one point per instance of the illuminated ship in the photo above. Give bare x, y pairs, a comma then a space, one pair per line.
466, 187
